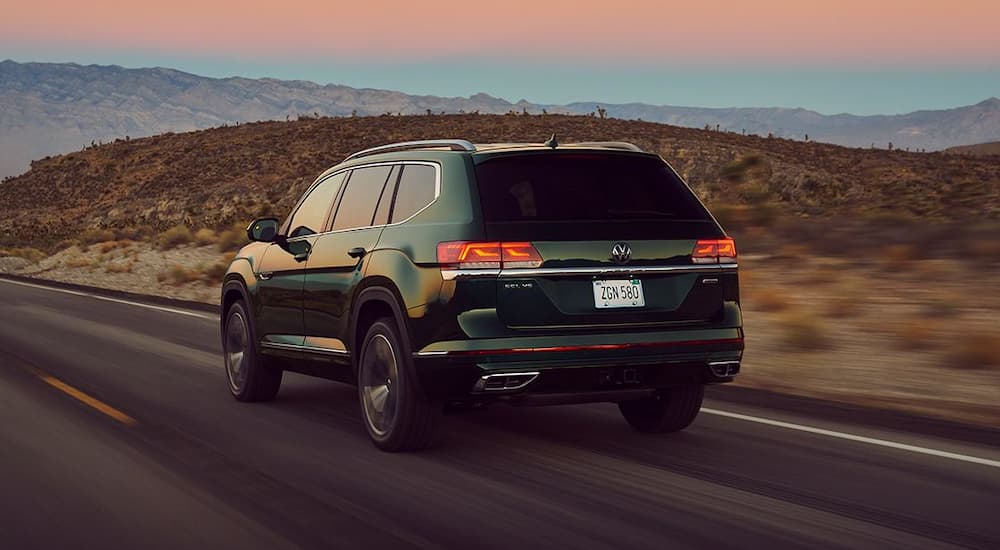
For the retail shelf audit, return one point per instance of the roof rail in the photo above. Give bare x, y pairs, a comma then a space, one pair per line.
453, 144
623, 145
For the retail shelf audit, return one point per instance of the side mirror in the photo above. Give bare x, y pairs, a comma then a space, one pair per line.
263, 230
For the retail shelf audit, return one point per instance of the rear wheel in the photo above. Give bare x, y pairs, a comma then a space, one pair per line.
396, 415
668, 410
248, 373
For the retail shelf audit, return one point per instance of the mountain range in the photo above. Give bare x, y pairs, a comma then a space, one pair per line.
49, 108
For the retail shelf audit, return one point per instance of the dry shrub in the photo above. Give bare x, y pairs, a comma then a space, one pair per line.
822, 275
174, 237
975, 350
33, 255
65, 244
842, 306
985, 249
945, 304
917, 333
769, 299
79, 261
205, 237
793, 252
801, 330
898, 256
232, 239
94, 236
178, 275
106, 247
935, 269
120, 267
214, 273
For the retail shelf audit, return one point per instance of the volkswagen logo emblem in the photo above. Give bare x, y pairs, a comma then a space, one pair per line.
621, 252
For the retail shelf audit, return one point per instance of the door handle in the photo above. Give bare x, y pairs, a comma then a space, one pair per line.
357, 252
265, 275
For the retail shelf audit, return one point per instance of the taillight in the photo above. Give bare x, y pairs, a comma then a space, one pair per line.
714, 251
494, 255
520, 255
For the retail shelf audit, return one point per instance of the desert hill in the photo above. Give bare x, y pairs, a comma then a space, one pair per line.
217, 177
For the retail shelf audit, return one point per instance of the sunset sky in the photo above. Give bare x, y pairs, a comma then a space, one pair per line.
861, 56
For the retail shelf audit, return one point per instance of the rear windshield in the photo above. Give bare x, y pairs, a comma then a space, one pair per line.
576, 196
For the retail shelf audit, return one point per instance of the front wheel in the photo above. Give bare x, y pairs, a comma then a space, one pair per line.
397, 416
248, 373
668, 410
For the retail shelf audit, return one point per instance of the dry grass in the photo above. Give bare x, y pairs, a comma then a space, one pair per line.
792, 252
120, 267
943, 305
94, 236
898, 256
803, 331
79, 261
975, 350
214, 273
33, 255
768, 299
206, 236
822, 275
178, 275
985, 249
174, 237
917, 333
232, 239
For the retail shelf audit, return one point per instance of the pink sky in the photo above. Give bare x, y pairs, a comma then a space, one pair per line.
863, 32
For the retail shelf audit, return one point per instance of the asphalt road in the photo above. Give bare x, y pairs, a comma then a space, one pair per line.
117, 431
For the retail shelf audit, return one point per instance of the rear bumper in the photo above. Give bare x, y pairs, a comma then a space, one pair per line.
578, 368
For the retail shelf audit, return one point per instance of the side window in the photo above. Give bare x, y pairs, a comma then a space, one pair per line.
385, 202
416, 190
311, 215
357, 207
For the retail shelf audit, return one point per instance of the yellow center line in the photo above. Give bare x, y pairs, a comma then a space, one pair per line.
91, 402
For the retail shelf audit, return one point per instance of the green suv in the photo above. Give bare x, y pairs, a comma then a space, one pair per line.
441, 275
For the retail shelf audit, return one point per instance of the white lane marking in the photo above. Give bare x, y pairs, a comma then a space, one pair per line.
858, 438
109, 299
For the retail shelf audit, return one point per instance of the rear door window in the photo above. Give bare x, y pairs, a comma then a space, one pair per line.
588, 195
357, 206
417, 189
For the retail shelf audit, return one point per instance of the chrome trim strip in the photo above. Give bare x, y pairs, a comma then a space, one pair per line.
437, 194
480, 385
311, 349
624, 270
452, 274
453, 144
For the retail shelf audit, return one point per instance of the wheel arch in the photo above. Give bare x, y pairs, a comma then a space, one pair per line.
378, 298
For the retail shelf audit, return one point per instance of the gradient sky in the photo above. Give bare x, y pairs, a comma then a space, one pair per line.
860, 56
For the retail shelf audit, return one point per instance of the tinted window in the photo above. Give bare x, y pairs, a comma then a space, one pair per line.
312, 213
357, 207
416, 190
385, 202
571, 196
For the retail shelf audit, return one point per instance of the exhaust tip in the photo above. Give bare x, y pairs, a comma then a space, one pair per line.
510, 381
724, 369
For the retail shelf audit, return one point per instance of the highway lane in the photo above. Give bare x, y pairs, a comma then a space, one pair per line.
196, 469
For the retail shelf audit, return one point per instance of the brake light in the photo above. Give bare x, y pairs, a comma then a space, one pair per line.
488, 255
714, 251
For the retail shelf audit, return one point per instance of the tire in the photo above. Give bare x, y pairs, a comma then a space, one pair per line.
395, 413
248, 374
668, 410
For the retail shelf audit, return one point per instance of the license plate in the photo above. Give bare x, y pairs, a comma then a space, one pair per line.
618, 293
